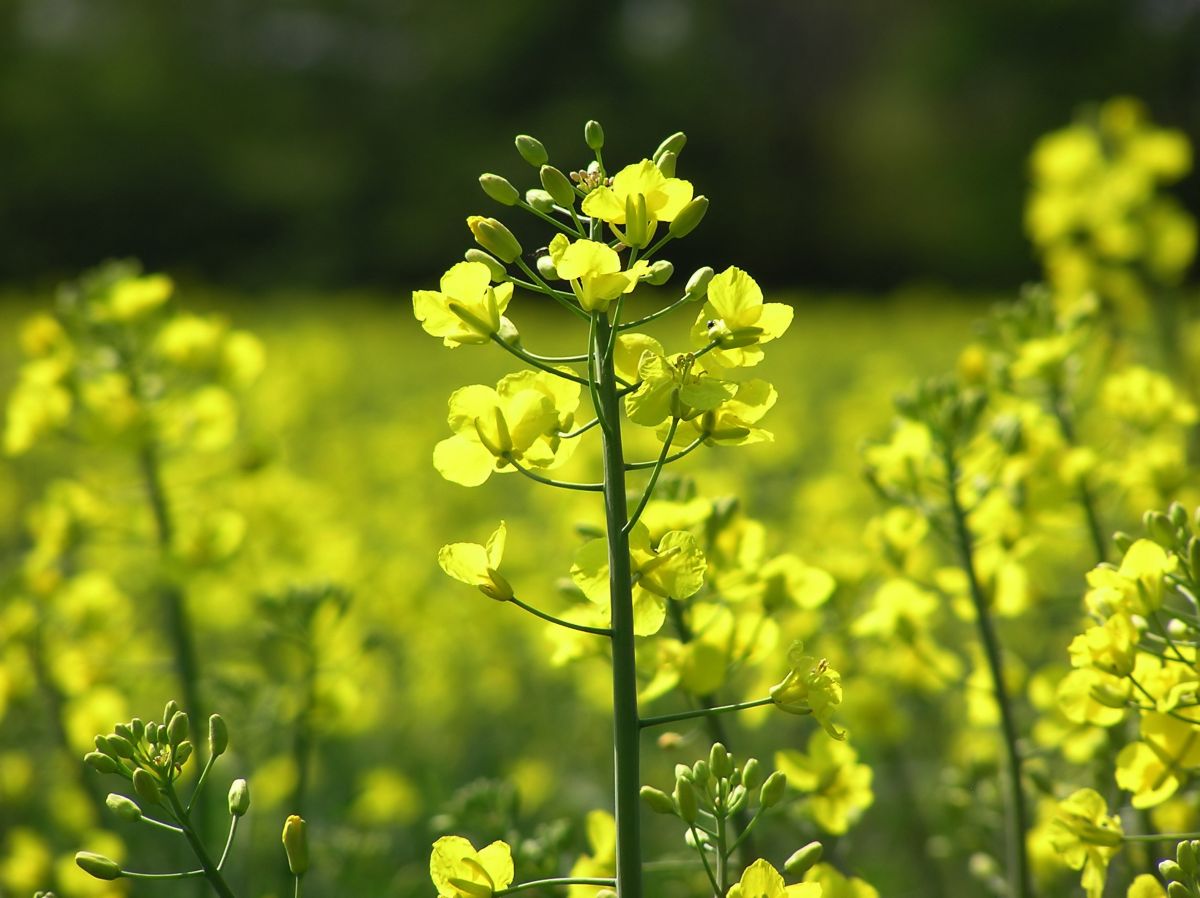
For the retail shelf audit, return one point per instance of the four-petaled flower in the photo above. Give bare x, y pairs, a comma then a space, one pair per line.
478, 565
459, 871
467, 310
665, 197
593, 271
761, 880
1086, 837
810, 687
737, 320
673, 387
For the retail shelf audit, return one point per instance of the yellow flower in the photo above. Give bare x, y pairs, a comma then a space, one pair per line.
761, 880
673, 387
1109, 647
665, 197
1154, 768
738, 321
1086, 837
839, 787
467, 309
593, 271
477, 565
459, 871
810, 687
835, 884
602, 862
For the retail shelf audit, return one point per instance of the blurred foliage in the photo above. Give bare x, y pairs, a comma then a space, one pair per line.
313, 142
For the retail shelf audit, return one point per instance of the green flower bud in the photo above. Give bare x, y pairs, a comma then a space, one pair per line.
497, 587
700, 772
123, 730
146, 786
697, 285
160, 736
152, 733
170, 710
177, 729
666, 164
751, 774
495, 268
531, 150
657, 800
637, 221
102, 746
493, 236
183, 751
673, 144
685, 802
499, 189
125, 808
545, 267
138, 728
683, 772
1193, 553
772, 789
593, 135
1170, 871
239, 798
1185, 855
737, 798
1178, 890
1122, 541
1158, 526
689, 217
120, 746
660, 272
295, 845
508, 333
556, 184
540, 200
804, 859
218, 736
101, 762
97, 865
719, 761
1178, 515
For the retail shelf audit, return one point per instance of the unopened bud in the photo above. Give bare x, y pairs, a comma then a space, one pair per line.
100, 762
183, 751
697, 285
772, 789
97, 865
804, 859
1158, 525
218, 736
138, 727
545, 267
1178, 890
689, 217
657, 800
737, 798
493, 236
177, 729
1178, 515
593, 135
125, 808
119, 745
540, 200
660, 272
295, 845
673, 144
666, 164
531, 150
1122, 541
751, 774
146, 787
1170, 871
160, 735
497, 587
171, 709
685, 802
499, 189
556, 184
719, 761
700, 772
1185, 855
239, 798
494, 267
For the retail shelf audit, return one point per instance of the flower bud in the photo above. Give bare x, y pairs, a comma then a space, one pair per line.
1178, 890
1178, 515
1158, 526
172, 707
146, 787
657, 800
138, 727
160, 736
495, 269
673, 144
637, 221
751, 774
177, 729
97, 865
689, 217
1122, 541
183, 751
499, 189
123, 730
772, 789
1193, 556
218, 736
493, 236
700, 772
719, 761
125, 808
152, 733
683, 772
556, 184
1185, 855
295, 845
100, 762
685, 802
531, 150
660, 272
737, 798
120, 746
666, 164
697, 285
508, 333
545, 267
239, 798
593, 135
540, 200
1170, 871
804, 859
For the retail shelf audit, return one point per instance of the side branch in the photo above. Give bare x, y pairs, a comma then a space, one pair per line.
582, 628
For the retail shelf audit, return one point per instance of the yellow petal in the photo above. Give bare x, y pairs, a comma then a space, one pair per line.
463, 461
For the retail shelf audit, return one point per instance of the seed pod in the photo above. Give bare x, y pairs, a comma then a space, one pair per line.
657, 800
531, 150
804, 859
493, 236
97, 865
685, 802
593, 135
666, 164
689, 217
295, 845
719, 761
218, 736
101, 762
146, 786
751, 773
556, 184
239, 798
499, 189
772, 789
673, 144
177, 729
125, 808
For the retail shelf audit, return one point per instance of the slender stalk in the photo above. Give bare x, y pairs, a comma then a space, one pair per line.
211, 873
654, 474
561, 225
1166, 837
654, 316
1016, 816
558, 296
595, 631
233, 822
536, 362
187, 874
703, 712
722, 850
150, 821
1086, 498
561, 484
626, 741
579, 431
686, 450
558, 881
717, 893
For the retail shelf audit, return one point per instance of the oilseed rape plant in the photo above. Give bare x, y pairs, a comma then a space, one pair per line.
638, 570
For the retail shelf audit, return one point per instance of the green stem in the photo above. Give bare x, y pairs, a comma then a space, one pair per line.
200, 782
658, 466
1016, 817
686, 450
558, 881
561, 484
150, 821
557, 295
703, 712
189, 874
579, 431
627, 761
536, 362
1163, 837
561, 225
666, 238
717, 893
654, 316
596, 631
233, 822
1086, 498
722, 852
211, 873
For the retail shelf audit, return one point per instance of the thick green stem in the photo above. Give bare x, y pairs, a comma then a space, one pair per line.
627, 733
1016, 816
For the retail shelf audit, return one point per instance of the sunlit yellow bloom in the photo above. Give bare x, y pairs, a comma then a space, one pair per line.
1087, 837
810, 687
1145, 885
839, 787
673, 387
738, 321
761, 880
1109, 646
835, 884
665, 197
1136, 586
1153, 768
478, 565
131, 298
467, 309
733, 422
1080, 693
459, 871
594, 271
